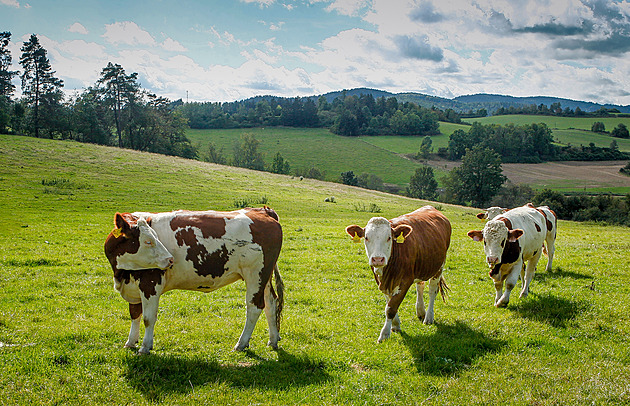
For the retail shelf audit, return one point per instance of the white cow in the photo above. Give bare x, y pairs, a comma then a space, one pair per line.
510, 240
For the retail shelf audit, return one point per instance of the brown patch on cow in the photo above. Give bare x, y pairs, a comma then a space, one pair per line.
148, 280
530, 205
507, 222
205, 263
495, 270
125, 243
511, 252
267, 233
210, 226
537, 227
135, 310
548, 223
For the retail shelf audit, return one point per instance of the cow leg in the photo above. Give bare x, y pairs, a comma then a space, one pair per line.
391, 314
434, 285
149, 316
529, 274
550, 251
498, 286
135, 311
420, 311
253, 312
510, 282
271, 309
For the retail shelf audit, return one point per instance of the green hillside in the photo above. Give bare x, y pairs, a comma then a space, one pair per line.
568, 130
62, 326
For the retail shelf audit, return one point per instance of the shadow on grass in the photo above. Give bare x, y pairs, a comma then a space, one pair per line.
559, 272
550, 309
156, 376
451, 349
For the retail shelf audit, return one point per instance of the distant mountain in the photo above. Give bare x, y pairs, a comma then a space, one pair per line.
490, 102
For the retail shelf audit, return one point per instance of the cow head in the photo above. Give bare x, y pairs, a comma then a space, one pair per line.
495, 235
138, 246
491, 212
379, 236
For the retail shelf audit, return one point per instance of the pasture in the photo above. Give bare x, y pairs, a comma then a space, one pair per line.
62, 325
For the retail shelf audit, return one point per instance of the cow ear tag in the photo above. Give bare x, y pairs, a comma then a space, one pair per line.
116, 232
356, 237
401, 238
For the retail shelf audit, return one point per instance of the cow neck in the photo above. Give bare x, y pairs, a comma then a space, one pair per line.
393, 273
512, 250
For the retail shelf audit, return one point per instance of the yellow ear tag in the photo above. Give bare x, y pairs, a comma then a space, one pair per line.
116, 232
356, 237
400, 239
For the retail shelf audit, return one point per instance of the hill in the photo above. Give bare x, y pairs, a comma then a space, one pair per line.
62, 326
490, 102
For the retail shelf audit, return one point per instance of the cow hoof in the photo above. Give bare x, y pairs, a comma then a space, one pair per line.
501, 304
129, 345
428, 320
143, 351
240, 347
274, 346
523, 295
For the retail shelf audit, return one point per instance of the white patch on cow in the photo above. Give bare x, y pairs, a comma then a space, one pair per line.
495, 235
151, 252
378, 241
396, 291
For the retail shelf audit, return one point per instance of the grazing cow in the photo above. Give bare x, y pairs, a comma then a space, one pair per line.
152, 253
402, 251
512, 239
491, 212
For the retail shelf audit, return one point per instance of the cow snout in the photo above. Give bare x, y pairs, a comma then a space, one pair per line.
377, 261
168, 262
492, 261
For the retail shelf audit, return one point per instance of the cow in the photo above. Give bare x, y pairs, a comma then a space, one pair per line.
510, 240
152, 253
491, 212
402, 251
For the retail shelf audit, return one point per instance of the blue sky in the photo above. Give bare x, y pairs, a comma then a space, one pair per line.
210, 50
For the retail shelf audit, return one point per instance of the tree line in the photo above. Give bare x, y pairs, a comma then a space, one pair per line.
114, 111
555, 109
345, 115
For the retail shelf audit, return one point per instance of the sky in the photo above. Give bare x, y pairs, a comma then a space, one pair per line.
227, 50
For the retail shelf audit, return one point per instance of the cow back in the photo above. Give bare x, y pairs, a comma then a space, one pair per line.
423, 253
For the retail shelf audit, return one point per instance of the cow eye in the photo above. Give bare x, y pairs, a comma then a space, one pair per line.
148, 242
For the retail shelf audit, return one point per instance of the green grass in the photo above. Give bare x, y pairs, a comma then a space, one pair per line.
62, 326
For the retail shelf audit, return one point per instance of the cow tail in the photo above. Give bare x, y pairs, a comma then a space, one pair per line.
279, 295
544, 248
443, 288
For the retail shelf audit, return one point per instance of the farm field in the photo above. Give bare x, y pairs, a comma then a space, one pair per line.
62, 325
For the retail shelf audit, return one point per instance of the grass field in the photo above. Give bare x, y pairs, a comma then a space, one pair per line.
62, 326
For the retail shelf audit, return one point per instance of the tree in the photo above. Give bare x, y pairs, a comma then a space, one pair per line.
279, 165
6, 75
426, 148
214, 155
39, 84
370, 181
246, 154
621, 131
348, 178
598, 127
118, 90
481, 175
422, 184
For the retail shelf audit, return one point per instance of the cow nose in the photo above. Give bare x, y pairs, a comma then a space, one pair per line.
378, 261
492, 260
171, 261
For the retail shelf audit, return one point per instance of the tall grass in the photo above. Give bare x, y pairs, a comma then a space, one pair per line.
62, 326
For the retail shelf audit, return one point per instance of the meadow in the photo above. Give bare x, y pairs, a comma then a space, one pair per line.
62, 325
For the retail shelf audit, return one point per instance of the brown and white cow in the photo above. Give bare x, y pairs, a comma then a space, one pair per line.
491, 212
406, 250
152, 253
510, 240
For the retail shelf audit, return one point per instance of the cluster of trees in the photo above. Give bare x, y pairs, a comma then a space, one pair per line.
347, 115
528, 143
621, 131
114, 111
555, 109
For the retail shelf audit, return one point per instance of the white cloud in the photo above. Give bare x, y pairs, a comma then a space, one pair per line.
78, 28
10, 3
348, 7
170, 44
127, 33
261, 3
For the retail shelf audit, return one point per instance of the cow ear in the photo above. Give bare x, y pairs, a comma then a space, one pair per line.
476, 235
514, 235
356, 232
401, 232
482, 216
122, 226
